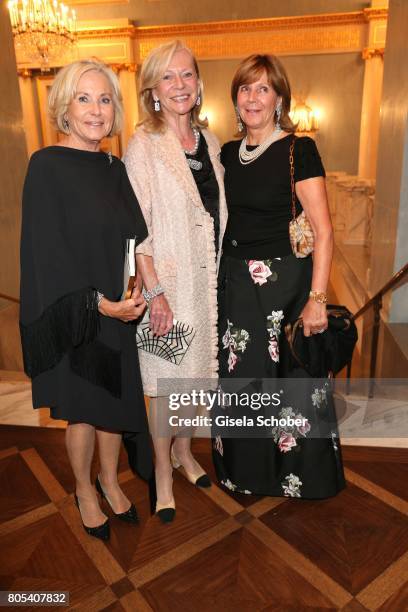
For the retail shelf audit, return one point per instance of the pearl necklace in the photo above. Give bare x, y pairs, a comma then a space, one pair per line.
194, 163
197, 141
247, 157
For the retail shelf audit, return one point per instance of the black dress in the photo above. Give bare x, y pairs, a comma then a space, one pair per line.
262, 286
78, 210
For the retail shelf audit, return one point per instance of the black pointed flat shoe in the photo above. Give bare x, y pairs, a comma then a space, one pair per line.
129, 516
102, 532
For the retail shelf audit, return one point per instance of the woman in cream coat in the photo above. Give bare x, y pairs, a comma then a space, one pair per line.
173, 165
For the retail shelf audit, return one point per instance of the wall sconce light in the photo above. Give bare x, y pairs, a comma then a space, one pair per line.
306, 118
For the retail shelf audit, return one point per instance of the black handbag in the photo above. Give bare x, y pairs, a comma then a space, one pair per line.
327, 353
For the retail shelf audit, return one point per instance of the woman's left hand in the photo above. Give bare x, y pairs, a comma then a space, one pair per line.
314, 318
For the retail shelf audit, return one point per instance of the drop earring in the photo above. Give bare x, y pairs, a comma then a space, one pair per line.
240, 125
156, 105
278, 111
65, 123
198, 101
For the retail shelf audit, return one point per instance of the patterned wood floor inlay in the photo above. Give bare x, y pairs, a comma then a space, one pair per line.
224, 552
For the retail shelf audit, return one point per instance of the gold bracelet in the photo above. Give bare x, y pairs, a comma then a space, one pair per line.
318, 296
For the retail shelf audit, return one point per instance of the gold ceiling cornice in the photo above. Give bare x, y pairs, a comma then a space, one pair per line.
236, 27
111, 32
252, 25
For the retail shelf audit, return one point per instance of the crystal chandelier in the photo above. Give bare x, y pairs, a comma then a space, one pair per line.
43, 30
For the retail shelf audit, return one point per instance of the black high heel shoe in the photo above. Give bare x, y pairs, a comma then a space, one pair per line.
129, 516
102, 532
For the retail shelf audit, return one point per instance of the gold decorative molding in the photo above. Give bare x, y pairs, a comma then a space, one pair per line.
370, 52
82, 2
375, 13
253, 25
327, 33
128, 67
108, 32
25, 72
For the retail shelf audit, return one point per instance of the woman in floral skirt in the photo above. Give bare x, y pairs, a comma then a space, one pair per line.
262, 287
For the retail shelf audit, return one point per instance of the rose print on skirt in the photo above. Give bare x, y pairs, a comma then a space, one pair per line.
274, 329
286, 442
235, 341
259, 271
291, 488
285, 435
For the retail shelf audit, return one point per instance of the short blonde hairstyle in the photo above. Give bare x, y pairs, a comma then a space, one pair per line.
153, 69
64, 87
251, 69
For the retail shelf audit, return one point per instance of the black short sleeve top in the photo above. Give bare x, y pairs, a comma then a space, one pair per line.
259, 196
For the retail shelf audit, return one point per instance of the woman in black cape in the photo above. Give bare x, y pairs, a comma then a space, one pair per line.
78, 336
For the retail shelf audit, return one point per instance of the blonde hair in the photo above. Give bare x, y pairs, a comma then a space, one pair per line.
153, 69
251, 69
63, 91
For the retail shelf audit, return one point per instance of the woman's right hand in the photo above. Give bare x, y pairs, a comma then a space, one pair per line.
125, 310
161, 316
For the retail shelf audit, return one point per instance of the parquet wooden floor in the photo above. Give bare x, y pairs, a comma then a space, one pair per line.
224, 552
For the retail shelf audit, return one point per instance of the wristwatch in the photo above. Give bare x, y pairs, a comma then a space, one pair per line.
318, 296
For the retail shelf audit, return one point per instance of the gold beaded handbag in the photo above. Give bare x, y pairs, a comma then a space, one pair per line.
300, 231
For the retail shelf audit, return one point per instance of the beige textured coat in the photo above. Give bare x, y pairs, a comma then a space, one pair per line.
181, 242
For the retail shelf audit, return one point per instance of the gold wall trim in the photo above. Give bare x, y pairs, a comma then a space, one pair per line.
108, 32
375, 13
242, 26
83, 2
305, 34
253, 25
370, 52
129, 67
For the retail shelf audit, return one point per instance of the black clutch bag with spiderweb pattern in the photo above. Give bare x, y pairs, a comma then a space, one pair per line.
172, 347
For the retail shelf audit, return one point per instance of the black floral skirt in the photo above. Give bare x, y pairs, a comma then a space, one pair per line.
256, 300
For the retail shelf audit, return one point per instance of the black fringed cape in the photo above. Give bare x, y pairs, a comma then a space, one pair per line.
78, 210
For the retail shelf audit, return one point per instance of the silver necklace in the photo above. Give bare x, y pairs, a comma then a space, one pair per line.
247, 157
194, 163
